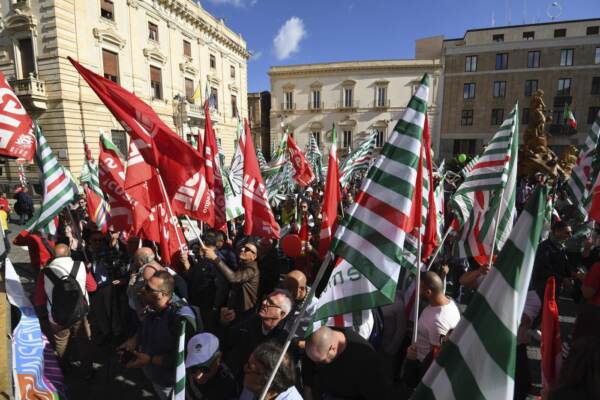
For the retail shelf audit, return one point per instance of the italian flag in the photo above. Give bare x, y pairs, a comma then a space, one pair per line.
569, 118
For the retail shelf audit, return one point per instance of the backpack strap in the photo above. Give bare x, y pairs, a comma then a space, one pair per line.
47, 246
75, 269
51, 275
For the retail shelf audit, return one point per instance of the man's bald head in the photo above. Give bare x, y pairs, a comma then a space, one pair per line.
62, 250
142, 256
295, 283
322, 345
431, 285
150, 269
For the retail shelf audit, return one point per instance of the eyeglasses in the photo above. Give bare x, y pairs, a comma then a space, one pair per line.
270, 303
147, 288
248, 249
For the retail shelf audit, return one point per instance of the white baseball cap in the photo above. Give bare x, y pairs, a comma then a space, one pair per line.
201, 349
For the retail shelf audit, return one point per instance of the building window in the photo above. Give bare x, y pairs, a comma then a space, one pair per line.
529, 35
533, 59
558, 33
471, 64
380, 138
469, 91
110, 64
525, 116
593, 114
564, 87
156, 83
530, 87
289, 100
499, 88
597, 57
347, 97
498, 38
347, 139
152, 31
316, 99
464, 146
566, 57
596, 85
107, 9
558, 116
214, 97
189, 90
466, 118
592, 30
502, 61
26, 57
213, 61
119, 138
317, 136
234, 108
381, 96
231, 71
187, 49
497, 116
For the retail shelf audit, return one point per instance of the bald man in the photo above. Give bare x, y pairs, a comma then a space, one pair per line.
439, 317
342, 364
295, 283
61, 332
142, 256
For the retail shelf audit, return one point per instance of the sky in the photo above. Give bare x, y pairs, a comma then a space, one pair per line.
286, 32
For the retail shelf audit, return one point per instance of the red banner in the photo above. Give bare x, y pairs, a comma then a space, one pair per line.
16, 128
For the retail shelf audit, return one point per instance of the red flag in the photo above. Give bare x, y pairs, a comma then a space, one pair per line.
170, 237
551, 346
303, 234
595, 207
16, 128
303, 173
200, 142
429, 237
126, 214
331, 200
259, 219
213, 173
180, 166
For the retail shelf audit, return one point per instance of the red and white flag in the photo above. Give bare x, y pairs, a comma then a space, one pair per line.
430, 234
259, 220
595, 208
214, 180
551, 345
303, 174
17, 138
331, 199
180, 166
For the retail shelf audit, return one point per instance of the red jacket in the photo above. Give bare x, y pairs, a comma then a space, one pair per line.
39, 255
4, 204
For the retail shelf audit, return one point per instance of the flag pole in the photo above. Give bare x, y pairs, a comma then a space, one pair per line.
437, 251
194, 230
417, 289
496, 224
169, 209
307, 301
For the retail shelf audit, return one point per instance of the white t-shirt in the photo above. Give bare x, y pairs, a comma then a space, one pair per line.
434, 322
62, 266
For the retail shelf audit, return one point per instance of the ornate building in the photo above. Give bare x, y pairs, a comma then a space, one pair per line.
164, 51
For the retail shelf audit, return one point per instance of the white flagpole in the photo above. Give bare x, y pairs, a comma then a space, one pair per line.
439, 248
171, 215
417, 289
497, 223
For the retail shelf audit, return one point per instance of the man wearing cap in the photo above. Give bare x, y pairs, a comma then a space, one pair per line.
208, 377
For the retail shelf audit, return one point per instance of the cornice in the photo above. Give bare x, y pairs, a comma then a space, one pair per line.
153, 53
109, 35
390, 65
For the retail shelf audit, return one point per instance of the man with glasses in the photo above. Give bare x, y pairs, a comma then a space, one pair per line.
154, 347
240, 340
208, 378
244, 281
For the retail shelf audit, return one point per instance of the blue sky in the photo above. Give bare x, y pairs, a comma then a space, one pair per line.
283, 32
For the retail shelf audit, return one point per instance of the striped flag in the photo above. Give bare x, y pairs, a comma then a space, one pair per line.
314, 156
262, 163
569, 118
583, 172
98, 208
278, 158
358, 160
370, 241
487, 194
478, 362
235, 178
179, 392
59, 189
331, 199
467, 168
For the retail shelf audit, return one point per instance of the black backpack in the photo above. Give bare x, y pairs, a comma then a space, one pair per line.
68, 302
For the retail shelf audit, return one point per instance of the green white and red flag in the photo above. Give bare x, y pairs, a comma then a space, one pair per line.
331, 199
569, 118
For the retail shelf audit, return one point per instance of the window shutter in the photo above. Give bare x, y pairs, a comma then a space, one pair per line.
110, 63
155, 74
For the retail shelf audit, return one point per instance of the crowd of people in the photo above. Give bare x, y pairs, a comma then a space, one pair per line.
237, 297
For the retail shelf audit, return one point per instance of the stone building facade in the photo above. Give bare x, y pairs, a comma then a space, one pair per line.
259, 109
358, 96
162, 50
488, 70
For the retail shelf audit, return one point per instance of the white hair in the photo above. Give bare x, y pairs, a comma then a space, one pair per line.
287, 303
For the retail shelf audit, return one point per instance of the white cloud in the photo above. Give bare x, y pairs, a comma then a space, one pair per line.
288, 38
235, 3
256, 55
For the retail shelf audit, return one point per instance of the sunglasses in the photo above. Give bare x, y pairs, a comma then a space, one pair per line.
204, 369
147, 288
247, 249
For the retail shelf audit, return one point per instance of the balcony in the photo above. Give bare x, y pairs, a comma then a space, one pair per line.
316, 107
347, 105
32, 93
197, 111
288, 107
561, 130
561, 99
381, 105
